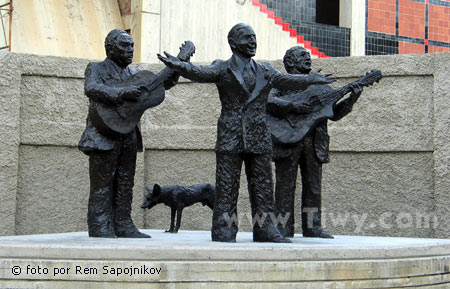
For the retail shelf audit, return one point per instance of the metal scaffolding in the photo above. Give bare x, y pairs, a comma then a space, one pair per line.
6, 19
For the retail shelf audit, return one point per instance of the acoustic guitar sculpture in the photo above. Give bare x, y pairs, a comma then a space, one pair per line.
292, 128
122, 119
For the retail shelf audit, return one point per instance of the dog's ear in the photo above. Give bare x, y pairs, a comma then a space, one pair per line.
149, 192
156, 190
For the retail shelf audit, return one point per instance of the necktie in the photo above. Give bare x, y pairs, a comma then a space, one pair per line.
249, 78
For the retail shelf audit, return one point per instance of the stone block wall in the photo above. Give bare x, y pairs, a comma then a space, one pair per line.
389, 173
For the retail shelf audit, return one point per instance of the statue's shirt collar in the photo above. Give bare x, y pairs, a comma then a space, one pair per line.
124, 73
240, 62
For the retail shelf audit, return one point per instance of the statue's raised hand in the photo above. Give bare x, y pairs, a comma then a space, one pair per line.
316, 78
170, 60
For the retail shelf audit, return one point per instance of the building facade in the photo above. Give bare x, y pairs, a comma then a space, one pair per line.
327, 28
389, 26
407, 26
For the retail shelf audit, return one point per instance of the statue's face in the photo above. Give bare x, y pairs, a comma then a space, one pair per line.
245, 44
122, 52
302, 61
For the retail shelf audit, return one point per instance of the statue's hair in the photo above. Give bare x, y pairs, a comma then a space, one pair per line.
111, 39
289, 55
234, 31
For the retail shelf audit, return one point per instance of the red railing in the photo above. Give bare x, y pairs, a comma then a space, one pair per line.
285, 27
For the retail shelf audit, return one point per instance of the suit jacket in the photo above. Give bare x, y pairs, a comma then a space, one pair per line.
242, 126
97, 77
279, 106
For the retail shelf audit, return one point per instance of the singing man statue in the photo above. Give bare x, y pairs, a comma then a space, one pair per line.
242, 132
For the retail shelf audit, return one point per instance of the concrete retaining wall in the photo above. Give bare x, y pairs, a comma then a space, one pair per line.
390, 158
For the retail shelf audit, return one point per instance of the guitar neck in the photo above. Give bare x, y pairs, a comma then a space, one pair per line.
336, 95
162, 76
347, 88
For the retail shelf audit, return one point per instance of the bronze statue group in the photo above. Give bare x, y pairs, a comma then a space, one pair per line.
266, 115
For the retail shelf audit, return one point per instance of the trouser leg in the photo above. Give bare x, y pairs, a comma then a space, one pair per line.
225, 220
102, 169
260, 187
124, 226
286, 170
311, 170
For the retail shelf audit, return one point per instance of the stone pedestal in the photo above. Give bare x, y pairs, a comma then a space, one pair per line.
190, 260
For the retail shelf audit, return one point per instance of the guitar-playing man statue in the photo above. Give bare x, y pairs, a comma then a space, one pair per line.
111, 139
298, 122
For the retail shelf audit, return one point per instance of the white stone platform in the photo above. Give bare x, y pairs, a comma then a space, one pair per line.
190, 260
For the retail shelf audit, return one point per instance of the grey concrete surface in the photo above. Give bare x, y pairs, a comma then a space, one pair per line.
191, 260
190, 245
390, 158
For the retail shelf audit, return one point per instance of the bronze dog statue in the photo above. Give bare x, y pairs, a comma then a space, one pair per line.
178, 198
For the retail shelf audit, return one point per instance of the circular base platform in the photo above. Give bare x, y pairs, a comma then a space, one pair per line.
190, 260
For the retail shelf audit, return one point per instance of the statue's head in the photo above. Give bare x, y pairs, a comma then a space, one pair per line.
297, 60
119, 47
242, 40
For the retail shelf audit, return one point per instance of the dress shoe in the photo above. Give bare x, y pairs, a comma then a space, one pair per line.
317, 233
270, 236
133, 234
101, 230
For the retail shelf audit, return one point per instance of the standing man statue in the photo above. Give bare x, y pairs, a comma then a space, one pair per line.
112, 156
242, 132
307, 152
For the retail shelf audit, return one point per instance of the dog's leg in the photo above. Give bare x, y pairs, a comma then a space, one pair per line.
179, 212
172, 220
